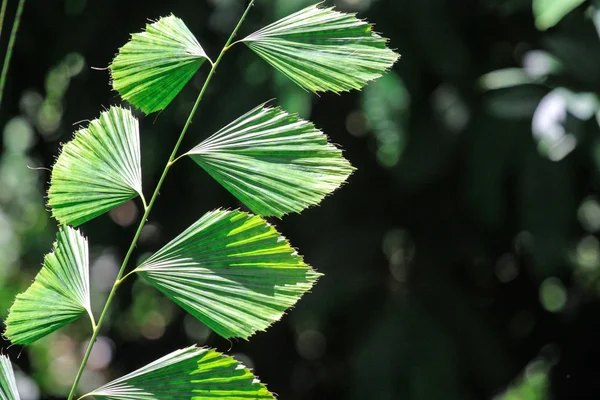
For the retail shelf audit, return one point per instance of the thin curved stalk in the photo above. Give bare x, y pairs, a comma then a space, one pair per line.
11, 43
2, 13
118, 279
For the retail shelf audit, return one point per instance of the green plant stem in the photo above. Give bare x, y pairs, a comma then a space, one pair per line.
2, 13
118, 279
11, 43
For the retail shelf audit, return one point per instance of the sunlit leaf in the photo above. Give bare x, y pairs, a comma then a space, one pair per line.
232, 271
274, 162
549, 12
8, 385
98, 170
59, 294
323, 50
153, 67
190, 373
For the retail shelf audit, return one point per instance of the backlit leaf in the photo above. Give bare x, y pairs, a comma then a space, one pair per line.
98, 170
8, 385
190, 373
232, 271
272, 161
323, 50
59, 294
153, 67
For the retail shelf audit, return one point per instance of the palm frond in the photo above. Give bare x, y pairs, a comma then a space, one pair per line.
323, 50
232, 271
60, 293
186, 374
153, 67
8, 385
98, 170
272, 161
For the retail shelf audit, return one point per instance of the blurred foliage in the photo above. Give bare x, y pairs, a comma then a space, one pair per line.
462, 261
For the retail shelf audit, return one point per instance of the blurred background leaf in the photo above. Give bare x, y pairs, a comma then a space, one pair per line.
549, 12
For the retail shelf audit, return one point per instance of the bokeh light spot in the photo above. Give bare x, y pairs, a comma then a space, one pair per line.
553, 295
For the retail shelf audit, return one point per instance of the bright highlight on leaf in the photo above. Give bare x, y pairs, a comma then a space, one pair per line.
549, 12
232, 271
153, 67
324, 50
272, 161
59, 294
8, 385
190, 373
98, 170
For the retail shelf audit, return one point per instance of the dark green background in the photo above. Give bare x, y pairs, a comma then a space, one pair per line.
459, 260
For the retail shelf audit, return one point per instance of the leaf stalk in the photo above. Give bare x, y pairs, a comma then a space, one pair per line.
11, 44
2, 14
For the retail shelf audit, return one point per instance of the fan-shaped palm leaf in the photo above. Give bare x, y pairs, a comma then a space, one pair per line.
153, 67
187, 374
8, 385
59, 294
98, 170
323, 50
274, 162
231, 270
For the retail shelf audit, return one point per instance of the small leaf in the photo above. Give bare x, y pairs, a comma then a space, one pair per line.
549, 12
190, 373
274, 162
324, 50
153, 67
232, 271
59, 294
98, 170
8, 385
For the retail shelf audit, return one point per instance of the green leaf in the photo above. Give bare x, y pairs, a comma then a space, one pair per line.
59, 294
8, 385
232, 271
153, 67
190, 373
98, 170
549, 12
323, 50
272, 161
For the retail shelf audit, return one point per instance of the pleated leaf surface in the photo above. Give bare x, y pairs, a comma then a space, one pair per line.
323, 50
272, 161
153, 67
98, 170
232, 271
190, 373
59, 294
8, 385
